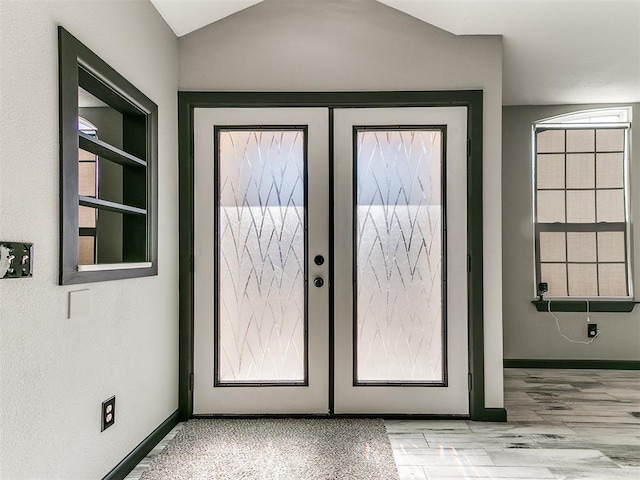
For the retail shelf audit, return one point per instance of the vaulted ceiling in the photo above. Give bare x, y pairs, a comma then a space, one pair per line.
555, 51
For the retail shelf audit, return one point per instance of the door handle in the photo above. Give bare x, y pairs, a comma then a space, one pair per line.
318, 282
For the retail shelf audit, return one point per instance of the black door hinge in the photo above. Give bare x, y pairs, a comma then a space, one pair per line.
468, 263
468, 147
470, 382
191, 382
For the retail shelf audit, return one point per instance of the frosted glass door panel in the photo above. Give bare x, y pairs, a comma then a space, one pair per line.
399, 238
261, 240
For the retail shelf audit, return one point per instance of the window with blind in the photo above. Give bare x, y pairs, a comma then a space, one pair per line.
108, 170
581, 211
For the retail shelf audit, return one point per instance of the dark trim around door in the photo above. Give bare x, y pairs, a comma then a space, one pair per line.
471, 99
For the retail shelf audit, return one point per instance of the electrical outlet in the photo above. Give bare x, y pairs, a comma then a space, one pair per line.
592, 330
108, 413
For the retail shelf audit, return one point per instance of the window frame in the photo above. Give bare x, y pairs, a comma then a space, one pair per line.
589, 120
76, 61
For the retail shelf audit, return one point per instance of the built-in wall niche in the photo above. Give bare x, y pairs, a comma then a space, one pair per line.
100, 239
108, 157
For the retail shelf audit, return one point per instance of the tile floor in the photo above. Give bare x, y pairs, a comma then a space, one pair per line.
563, 425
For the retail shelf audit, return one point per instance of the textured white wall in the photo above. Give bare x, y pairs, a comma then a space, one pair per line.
287, 45
55, 372
527, 333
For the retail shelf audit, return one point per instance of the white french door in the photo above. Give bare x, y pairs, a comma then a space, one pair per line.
261, 212
400, 261
262, 243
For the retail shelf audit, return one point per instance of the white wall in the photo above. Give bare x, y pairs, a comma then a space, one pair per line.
529, 334
332, 45
551, 48
56, 372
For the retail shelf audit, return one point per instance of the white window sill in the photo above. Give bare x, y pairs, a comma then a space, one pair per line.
100, 267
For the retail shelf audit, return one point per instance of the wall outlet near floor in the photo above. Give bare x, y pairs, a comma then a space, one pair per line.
592, 330
108, 413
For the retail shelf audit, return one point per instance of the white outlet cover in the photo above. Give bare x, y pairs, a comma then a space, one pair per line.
79, 305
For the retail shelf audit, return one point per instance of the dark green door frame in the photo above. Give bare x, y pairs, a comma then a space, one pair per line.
471, 99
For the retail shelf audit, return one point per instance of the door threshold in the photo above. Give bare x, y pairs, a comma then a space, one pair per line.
260, 415
386, 416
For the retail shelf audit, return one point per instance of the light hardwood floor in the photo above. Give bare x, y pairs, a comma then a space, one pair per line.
562, 425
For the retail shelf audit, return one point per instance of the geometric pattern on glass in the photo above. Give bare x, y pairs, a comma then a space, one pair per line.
261, 241
399, 259
586, 216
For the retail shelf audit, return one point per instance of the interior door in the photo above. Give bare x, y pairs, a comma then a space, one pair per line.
401, 261
261, 210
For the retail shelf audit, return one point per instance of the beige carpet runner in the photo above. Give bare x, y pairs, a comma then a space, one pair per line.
275, 449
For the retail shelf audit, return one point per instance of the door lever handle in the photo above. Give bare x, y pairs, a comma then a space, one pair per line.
318, 282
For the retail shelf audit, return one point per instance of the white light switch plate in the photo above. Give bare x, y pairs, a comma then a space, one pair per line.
79, 304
